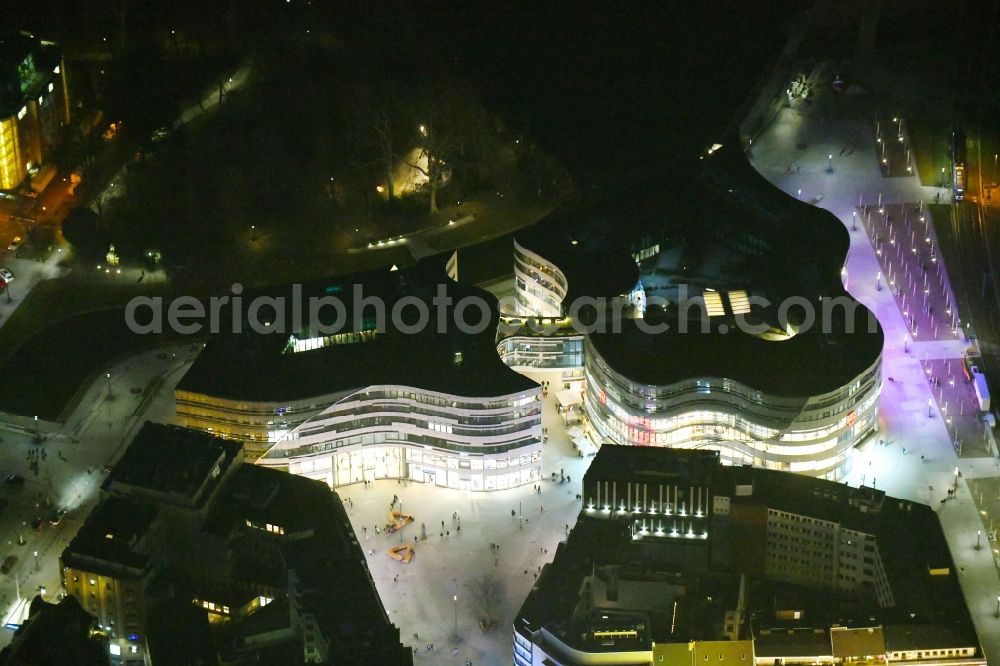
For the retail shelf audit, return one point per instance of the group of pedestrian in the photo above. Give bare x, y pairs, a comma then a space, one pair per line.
537, 489
33, 458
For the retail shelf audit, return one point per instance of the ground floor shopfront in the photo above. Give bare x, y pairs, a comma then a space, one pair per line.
435, 467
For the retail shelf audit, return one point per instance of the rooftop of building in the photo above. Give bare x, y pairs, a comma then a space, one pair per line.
777, 248
319, 548
107, 542
171, 461
15, 47
583, 244
929, 609
259, 368
57, 633
655, 464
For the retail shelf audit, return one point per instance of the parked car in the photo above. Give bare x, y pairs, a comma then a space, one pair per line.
8, 563
57, 516
6, 275
36, 523
15, 243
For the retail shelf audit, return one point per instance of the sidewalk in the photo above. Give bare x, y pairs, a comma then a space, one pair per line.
27, 274
793, 153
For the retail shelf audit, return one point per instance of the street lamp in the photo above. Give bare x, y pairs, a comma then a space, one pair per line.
829, 163
979, 539
998, 605
454, 598
108, 376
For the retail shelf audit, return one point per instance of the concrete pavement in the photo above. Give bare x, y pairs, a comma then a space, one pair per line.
793, 154
72, 470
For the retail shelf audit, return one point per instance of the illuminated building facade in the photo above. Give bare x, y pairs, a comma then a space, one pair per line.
401, 432
677, 559
34, 105
539, 285
440, 409
810, 434
693, 353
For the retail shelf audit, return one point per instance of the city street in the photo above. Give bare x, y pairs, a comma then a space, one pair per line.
27, 274
72, 469
913, 457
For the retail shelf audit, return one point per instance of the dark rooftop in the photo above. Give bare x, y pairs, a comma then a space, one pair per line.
655, 464
255, 367
788, 249
929, 609
108, 538
584, 245
167, 460
56, 634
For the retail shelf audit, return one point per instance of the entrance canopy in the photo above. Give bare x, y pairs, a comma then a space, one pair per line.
569, 397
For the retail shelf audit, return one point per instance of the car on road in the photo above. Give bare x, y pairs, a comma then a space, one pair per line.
36, 523
57, 516
15, 243
6, 275
8, 563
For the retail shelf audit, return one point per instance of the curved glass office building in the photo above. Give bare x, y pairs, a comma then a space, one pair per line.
811, 433
394, 431
380, 401
539, 285
742, 339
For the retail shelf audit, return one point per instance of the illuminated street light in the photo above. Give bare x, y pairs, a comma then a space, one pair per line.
423, 130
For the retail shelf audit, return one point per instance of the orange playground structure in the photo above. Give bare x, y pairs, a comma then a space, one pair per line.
401, 553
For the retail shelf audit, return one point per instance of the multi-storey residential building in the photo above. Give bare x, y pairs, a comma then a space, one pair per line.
34, 104
678, 559
193, 557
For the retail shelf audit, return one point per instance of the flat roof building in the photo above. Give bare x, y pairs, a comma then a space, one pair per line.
676, 556
257, 564
732, 330
34, 105
383, 396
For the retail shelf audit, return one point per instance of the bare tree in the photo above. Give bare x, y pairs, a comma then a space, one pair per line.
453, 132
489, 593
385, 147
